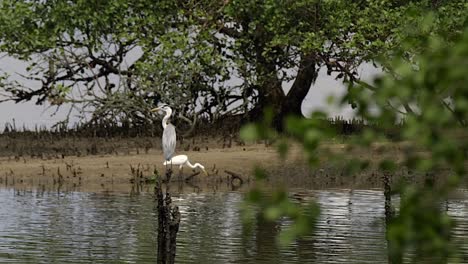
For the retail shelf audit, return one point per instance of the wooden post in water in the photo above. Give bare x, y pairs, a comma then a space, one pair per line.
168, 223
389, 214
388, 197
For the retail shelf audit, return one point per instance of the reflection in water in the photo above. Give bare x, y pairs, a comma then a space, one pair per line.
351, 226
48, 227
51, 227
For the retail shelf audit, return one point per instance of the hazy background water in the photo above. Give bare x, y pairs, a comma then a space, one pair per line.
79, 227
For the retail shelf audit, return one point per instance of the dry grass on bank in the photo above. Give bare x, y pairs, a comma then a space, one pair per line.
117, 171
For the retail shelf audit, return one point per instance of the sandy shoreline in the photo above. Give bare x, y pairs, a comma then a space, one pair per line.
113, 172
95, 170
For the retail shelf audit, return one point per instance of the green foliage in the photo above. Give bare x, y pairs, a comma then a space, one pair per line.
188, 53
84, 46
436, 91
260, 130
278, 206
421, 227
426, 87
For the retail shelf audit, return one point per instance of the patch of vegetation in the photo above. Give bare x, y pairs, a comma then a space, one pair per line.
428, 85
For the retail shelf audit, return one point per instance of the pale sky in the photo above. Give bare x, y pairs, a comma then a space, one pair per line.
30, 114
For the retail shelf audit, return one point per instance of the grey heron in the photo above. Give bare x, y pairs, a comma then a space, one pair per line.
181, 160
169, 133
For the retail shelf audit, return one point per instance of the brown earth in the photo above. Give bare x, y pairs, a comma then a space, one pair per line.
95, 170
129, 168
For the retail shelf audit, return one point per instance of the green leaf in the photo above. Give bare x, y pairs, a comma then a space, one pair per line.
260, 173
250, 132
283, 147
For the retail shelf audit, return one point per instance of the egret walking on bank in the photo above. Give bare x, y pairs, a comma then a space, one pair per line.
181, 160
169, 134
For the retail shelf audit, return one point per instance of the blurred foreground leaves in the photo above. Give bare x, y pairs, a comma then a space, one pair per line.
425, 92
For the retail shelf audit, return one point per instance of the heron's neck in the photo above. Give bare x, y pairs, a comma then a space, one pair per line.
195, 165
165, 120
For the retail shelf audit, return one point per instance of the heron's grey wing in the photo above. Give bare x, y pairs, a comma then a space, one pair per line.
169, 141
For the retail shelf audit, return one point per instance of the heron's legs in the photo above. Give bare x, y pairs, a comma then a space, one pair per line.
180, 172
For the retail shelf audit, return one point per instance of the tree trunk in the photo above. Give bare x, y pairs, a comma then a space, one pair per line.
272, 95
306, 76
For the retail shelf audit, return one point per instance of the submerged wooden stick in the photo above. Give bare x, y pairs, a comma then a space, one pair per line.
234, 176
191, 176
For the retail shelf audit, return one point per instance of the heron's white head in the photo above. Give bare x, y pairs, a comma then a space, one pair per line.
202, 168
163, 107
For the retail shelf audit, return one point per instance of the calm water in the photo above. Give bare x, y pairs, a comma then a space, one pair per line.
56, 227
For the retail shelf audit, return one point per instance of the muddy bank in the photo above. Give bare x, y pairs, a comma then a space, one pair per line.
122, 168
96, 161
136, 170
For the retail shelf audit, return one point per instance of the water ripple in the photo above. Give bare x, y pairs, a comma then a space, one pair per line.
53, 227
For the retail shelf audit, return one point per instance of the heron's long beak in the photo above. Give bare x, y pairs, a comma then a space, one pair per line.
204, 171
155, 109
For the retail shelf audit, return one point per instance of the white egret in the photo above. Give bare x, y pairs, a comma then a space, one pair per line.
181, 160
169, 133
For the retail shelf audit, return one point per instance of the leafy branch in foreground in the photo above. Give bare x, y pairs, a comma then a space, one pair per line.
434, 85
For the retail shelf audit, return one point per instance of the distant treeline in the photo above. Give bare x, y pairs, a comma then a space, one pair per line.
125, 138
346, 127
97, 129
228, 125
